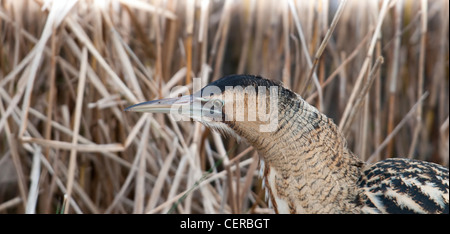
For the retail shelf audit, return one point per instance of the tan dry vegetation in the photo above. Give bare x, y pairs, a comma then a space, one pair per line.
69, 68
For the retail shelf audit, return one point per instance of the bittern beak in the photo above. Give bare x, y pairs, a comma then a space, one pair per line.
197, 108
162, 105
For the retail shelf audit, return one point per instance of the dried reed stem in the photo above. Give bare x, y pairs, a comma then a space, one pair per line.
421, 72
307, 56
76, 127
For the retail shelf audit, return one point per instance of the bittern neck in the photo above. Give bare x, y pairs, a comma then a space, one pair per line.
307, 162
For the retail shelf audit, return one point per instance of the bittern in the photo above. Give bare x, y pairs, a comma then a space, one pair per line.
305, 162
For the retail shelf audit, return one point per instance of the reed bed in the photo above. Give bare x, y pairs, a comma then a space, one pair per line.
69, 68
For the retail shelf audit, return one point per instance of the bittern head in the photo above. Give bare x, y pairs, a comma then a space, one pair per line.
235, 102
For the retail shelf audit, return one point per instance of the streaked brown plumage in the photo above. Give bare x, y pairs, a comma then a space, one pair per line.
306, 165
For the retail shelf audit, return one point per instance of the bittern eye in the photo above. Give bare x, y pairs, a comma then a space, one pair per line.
217, 104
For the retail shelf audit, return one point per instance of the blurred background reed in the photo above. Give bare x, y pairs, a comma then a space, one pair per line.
69, 68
